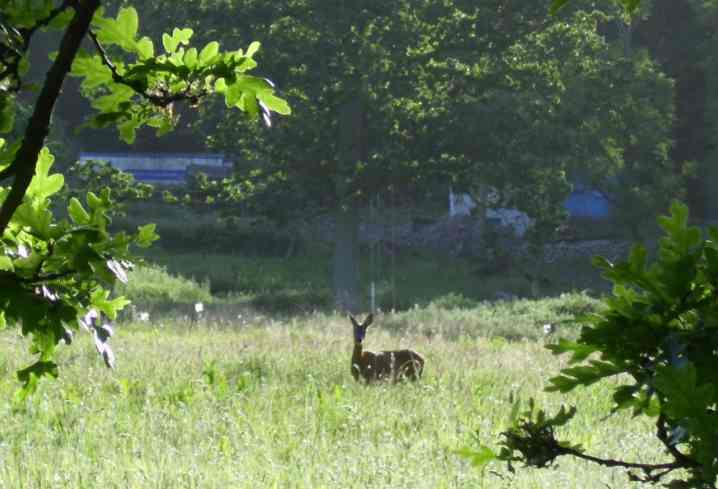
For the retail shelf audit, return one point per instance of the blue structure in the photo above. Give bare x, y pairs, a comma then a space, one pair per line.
587, 203
160, 168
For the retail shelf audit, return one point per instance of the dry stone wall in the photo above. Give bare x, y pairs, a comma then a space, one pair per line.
460, 236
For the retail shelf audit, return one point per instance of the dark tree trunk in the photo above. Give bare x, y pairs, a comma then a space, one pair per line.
23, 166
673, 34
346, 259
352, 148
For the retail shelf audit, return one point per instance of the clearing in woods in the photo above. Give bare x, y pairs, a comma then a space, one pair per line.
271, 403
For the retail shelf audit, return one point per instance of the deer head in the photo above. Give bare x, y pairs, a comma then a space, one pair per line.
360, 329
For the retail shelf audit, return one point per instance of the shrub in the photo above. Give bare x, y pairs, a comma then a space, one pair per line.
292, 301
153, 285
659, 330
452, 300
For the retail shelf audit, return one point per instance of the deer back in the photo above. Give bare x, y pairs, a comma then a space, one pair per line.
388, 365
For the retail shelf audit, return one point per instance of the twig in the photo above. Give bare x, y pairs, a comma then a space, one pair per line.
662, 435
647, 469
7, 173
162, 100
607, 462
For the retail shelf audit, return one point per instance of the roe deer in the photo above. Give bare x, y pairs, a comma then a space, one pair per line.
396, 365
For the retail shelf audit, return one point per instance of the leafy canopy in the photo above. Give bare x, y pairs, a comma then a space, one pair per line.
127, 93
629, 5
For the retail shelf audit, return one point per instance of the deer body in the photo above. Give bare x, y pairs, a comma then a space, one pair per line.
384, 365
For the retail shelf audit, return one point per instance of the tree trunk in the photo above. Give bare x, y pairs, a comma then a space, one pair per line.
625, 30
352, 149
480, 213
672, 33
346, 259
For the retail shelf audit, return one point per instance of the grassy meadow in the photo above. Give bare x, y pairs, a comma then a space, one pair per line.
261, 402
257, 393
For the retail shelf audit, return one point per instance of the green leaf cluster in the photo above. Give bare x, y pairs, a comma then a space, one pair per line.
629, 5
131, 85
659, 332
95, 175
54, 272
530, 439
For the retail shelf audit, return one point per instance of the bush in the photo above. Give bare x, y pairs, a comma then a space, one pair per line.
452, 300
658, 331
152, 285
292, 301
209, 232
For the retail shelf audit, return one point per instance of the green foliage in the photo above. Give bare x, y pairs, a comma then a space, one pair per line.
128, 94
542, 108
152, 285
660, 331
57, 273
453, 300
627, 159
96, 175
508, 99
630, 5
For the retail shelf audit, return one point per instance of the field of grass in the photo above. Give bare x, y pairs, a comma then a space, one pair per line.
258, 402
257, 392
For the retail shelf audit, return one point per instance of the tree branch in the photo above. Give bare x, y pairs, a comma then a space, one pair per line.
7, 173
164, 99
662, 434
647, 469
24, 163
27, 33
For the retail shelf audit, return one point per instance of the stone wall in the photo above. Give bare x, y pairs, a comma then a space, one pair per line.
460, 236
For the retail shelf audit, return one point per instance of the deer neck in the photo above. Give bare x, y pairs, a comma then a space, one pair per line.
358, 350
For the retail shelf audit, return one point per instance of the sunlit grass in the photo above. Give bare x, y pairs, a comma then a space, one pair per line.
268, 403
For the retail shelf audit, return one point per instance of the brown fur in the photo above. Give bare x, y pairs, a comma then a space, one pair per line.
385, 365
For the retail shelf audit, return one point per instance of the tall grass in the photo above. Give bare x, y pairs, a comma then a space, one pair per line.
272, 403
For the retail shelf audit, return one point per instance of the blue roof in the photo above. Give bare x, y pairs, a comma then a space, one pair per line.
588, 203
103, 154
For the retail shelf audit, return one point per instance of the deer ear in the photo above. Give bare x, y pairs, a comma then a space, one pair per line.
368, 320
354, 321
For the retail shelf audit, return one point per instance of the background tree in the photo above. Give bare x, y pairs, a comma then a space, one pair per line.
658, 329
680, 37
539, 106
448, 94
347, 148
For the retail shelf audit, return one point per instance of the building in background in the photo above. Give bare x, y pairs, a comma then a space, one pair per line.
163, 168
584, 203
